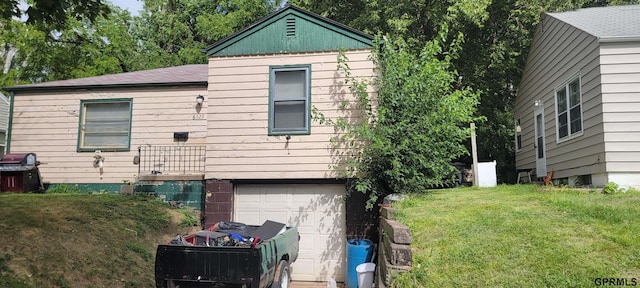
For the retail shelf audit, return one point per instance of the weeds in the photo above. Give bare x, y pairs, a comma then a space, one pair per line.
191, 217
610, 188
63, 189
142, 251
7, 277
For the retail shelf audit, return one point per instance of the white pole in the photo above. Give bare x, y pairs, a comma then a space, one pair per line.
474, 154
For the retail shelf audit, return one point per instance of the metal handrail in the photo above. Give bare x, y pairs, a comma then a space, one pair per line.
171, 159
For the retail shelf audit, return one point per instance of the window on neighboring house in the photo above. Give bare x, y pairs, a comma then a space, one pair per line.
3, 141
289, 99
518, 130
105, 125
569, 110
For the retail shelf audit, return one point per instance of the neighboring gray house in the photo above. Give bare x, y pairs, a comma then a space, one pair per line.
577, 112
4, 120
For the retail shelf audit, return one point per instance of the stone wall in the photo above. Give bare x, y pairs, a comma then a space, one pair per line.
394, 248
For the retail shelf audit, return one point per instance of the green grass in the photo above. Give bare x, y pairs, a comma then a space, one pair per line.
520, 236
82, 240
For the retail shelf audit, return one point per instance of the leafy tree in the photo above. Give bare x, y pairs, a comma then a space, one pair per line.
168, 33
418, 125
174, 32
498, 34
82, 49
53, 13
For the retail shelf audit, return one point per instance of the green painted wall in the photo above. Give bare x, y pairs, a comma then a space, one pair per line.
87, 187
288, 33
188, 193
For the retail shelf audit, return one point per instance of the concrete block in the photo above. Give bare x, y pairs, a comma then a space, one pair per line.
387, 212
397, 232
127, 189
398, 254
387, 270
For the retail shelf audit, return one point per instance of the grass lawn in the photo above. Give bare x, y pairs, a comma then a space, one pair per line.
521, 236
82, 240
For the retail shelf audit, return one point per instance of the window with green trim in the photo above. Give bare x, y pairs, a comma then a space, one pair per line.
105, 125
289, 97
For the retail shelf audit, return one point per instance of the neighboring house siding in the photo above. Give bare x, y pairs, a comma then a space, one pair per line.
4, 113
4, 122
47, 123
558, 52
620, 68
238, 144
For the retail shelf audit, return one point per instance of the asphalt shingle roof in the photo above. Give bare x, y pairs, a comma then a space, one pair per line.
605, 22
178, 75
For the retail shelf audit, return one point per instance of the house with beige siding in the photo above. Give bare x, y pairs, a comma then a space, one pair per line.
578, 105
266, 157
128, 120
250, 107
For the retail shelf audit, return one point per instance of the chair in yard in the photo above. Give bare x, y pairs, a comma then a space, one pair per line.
524, 176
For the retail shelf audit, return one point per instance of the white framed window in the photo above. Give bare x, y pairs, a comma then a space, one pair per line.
105, 124
569, 109
518, 135
289, 99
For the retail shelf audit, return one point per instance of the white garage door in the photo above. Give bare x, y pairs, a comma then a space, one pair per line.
317, 211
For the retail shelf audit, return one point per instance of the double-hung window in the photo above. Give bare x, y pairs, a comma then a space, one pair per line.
289, 99
569, 109
105, 125
518, 130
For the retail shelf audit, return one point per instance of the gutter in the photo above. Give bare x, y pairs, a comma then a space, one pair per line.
102, 86
612, 39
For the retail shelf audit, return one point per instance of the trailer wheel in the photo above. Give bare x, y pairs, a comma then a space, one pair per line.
282, 278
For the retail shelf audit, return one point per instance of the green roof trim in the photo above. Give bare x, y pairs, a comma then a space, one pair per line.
291, 30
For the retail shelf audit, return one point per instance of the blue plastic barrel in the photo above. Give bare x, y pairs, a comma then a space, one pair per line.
358, 251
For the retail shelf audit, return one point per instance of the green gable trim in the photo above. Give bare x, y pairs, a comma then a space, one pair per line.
291, 30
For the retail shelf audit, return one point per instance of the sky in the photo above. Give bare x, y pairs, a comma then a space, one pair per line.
132, 5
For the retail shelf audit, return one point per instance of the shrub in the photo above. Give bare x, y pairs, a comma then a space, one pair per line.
610, 188
63, 189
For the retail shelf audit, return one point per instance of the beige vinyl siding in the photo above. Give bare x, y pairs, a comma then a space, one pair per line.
620, 64
558, 52
238, 144
47, 123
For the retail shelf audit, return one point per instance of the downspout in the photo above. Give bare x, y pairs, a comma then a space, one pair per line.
10, 124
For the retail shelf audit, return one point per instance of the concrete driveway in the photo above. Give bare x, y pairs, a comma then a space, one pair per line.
302, 284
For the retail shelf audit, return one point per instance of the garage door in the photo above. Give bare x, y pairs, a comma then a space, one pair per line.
317, 211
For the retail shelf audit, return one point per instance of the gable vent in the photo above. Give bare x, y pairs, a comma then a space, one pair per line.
291, 27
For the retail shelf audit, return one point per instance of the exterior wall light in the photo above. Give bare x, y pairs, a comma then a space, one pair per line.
98, 161
537, 103
199, 99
